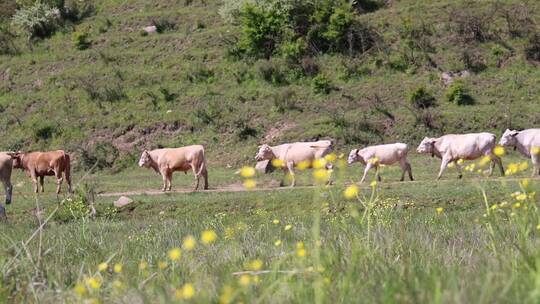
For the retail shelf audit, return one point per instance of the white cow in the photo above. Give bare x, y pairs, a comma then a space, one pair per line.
388, 154
295, 153
527, 142
453, 147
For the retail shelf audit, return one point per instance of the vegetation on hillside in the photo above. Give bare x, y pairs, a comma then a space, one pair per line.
78, 75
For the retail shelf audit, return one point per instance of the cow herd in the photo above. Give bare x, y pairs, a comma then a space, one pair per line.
450, 148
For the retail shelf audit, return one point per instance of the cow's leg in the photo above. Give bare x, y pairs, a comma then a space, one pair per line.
290, 168
59, 179
282, 182
9, 191
205, 175
405, 168
535, 159
368, 166
68, 180
197, 177
444, 163
34, 178
458, 168
164, 177
41, 178
378, 173
497, 160
169, 179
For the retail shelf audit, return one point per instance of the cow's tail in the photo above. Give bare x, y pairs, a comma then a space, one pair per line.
202, 165
67, 169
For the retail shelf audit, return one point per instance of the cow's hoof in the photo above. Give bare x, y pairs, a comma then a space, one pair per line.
460, 176
8, 202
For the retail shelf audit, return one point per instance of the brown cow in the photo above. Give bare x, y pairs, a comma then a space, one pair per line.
166, 161
41, 164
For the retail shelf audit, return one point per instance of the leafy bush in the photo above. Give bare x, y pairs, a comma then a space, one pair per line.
164, 24
295, 28
244, 130
470, 27
532, 50
99, 155
519, 21
37, 21
322, 85
309, 67
272, 71
77, 10
420, 98
473, 60
73, 208
456, 93
7, 45
285, 101
80, 40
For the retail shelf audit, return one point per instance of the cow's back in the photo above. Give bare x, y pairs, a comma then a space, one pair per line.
529, 138
43, 162
179, 158
386, 154
467, 146
307, 151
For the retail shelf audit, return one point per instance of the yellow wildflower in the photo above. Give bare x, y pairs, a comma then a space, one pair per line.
226, 295
330, 157
321, 175
175, 254
373, 160
439, 210
460, 161
117, 268
451, 165
93, 282
299, 245
319, 163
525, 183
521, 197
208, 236
499, 151
250, 183
189, 242
278, 163
301, 252
143, 265
186, 292
228, 233
277, 243
303, 165
247, 171
351, 191
484, 161
244, 280
538, 227
255, 265
103, 266
162, 265
287, 227
535, 150
373, 184
523, 166
516, 205
79, 289
275, 221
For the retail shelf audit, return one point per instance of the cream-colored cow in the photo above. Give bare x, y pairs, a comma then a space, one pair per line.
388, 154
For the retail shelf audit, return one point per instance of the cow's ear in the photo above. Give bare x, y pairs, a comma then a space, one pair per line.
514, 133
14, 154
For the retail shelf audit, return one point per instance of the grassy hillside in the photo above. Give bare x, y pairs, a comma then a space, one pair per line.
129, 91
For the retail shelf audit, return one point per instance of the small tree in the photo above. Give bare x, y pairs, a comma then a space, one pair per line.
420, 98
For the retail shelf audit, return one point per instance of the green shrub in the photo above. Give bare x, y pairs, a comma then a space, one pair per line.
532, 49
73, 209
100, 155
456, 93
285, 101
80, 40
77, 10
272, 71
37, 21
322, 85
7, 45
420, 98
164, 24
293, 50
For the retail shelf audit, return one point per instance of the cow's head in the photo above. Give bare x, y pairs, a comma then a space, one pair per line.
355, 156
17, 159
508, 138
145, 159
265, 153
426, 146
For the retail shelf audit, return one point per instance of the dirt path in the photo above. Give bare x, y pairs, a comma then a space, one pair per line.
232, 188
